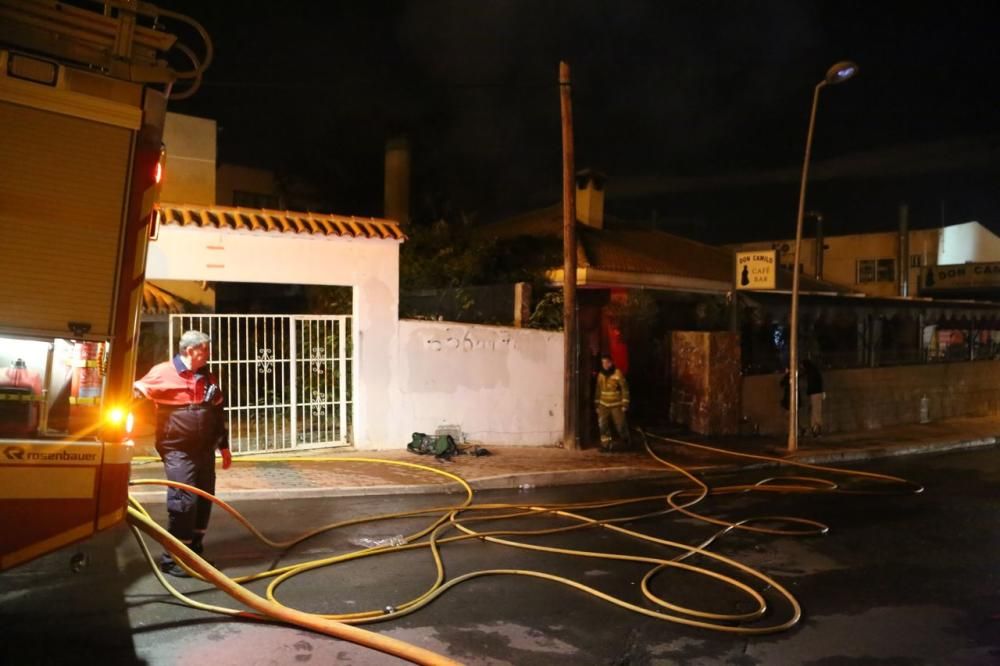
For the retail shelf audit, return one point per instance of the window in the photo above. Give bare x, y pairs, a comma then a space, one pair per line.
916, 261
885, 270
876, 270
788, 267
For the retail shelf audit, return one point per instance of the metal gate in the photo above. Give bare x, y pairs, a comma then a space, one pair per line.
287, 378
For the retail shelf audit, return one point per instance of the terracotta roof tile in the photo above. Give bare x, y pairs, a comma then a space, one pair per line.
158, 301
265, 221
624, 250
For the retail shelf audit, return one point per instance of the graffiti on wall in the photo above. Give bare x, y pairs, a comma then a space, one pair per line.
468, 340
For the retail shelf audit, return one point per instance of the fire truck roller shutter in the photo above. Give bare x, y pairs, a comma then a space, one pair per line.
60, 219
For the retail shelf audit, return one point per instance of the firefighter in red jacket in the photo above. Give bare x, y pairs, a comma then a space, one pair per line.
190, 426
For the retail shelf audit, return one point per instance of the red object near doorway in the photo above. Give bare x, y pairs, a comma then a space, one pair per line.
612, 340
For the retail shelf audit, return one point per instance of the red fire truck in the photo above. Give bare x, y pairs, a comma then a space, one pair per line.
83, 94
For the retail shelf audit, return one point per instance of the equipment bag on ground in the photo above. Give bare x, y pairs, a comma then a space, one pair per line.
439, 446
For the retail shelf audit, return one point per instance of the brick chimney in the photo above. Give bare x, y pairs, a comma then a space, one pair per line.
590, 198
397, 180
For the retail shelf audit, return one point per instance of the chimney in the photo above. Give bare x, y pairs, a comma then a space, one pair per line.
819, 245
903, 270
590, 198
397, 180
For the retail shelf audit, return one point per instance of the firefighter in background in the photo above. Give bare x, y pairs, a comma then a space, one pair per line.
814, 389
611, 400
190, 426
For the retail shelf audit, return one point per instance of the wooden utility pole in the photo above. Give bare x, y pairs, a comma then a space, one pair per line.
570, 385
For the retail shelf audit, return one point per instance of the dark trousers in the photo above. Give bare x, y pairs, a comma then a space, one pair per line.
188, 513
605, 417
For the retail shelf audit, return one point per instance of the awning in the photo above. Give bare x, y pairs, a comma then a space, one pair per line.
933, 312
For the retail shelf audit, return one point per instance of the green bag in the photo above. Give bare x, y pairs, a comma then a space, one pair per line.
440, 446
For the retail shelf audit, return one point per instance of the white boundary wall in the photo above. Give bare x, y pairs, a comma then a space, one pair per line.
501, 385
370, 266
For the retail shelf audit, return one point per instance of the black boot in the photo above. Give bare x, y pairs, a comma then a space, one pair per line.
170, 567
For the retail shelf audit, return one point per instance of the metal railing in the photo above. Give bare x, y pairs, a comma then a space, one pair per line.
287, 378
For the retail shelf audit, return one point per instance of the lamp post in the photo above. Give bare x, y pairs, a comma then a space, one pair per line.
840, 72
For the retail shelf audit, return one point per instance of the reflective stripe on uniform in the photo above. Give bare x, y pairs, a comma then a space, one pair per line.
612, 390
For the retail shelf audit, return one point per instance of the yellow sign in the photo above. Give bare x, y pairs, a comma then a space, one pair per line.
756, 269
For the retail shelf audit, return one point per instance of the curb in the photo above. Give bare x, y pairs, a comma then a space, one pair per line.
896, 451
497, 482
575, 477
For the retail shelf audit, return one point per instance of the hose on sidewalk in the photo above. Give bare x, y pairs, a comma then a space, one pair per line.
466, 520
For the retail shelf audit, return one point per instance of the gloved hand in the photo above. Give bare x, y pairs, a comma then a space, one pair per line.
227, 459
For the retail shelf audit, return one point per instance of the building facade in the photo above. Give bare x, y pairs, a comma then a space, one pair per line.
879, 264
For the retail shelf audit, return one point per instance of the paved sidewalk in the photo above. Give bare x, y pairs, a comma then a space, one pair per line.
515, 466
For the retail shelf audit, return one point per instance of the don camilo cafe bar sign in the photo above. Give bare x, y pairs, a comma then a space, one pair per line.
756, 270
961, 277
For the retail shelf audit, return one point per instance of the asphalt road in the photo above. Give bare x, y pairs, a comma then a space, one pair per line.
909, 579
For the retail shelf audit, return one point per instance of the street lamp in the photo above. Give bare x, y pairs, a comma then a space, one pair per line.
840, 72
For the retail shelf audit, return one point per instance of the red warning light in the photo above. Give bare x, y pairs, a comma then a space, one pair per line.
160, 161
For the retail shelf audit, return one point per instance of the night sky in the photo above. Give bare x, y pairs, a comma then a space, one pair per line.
662, 90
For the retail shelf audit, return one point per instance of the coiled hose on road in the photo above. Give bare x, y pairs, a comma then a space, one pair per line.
459, 522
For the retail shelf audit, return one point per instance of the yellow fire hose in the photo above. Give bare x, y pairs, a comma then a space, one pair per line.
451, 524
